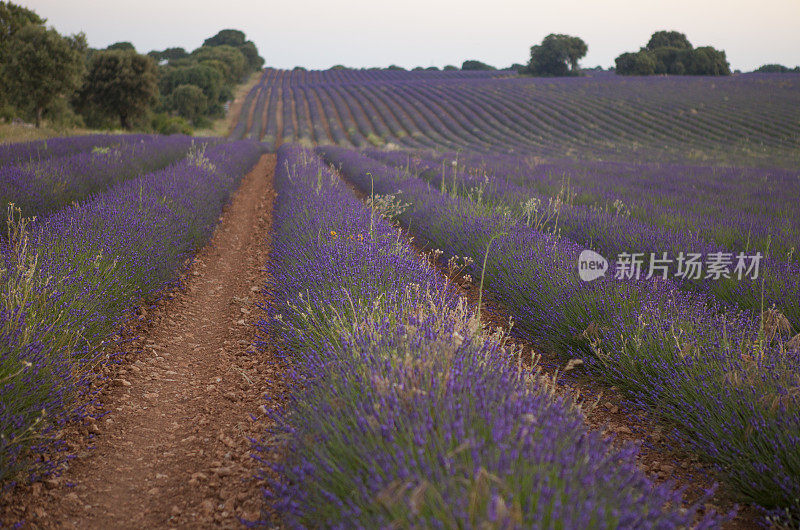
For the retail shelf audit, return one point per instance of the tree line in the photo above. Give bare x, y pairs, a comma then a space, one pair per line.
44, 75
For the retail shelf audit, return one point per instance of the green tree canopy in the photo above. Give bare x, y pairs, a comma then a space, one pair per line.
776, 69
189, 101
122, 84
42, 66
208, 79
123, 46
670, 52
557, 55
472, 64
229, 60
226, 37
669, 39
236, 39
640, 63
12, 19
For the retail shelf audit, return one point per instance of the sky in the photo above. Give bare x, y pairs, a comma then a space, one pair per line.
362, 33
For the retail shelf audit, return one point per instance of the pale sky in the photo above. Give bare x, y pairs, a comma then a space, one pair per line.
321, 33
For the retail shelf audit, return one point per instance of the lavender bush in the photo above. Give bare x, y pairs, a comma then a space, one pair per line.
69, 279
406, 412
727, 378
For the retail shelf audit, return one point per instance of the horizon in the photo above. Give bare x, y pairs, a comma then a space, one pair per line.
369, 34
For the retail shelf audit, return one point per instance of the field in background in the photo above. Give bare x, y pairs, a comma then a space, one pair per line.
520, 175
750, 119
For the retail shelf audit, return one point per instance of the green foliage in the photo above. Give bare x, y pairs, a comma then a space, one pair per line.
230, 61
12, 19
708, 61
557, 55
339, 67
670, 52
122, 84
236, 39
472, 64
777, 69
450, 68
226, 37
205, 77
122, 46
639, 63
189, 101
42, 66
250, 52
163, 123
395, 67
171, 54
668, 39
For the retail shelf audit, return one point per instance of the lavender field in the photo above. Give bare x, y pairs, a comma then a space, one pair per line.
519, 176
399, 196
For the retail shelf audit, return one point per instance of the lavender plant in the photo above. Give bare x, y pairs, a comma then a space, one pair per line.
406, 412
711, 370
70, 278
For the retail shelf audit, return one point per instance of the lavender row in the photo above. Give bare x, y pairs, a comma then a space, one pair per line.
42, 187
71, 277
606, 116
728, 380
405, 411
39, 150
612, 230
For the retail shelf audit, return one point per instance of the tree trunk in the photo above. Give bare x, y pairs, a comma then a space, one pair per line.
39, 117
123, 121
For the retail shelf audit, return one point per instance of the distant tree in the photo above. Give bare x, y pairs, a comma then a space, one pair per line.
671, 60
339, 67
450, 68
173, 54
668, 39
708, 61
122, 84
638, 63
394, 67
122, 46
228, 60
472, 64
208, 79
226, 37
774, 69
12, 19
557, 55
432, 68
189, 101
670, 52
300, 69
42, 66
250, 52
516, 67
236, 39
417, 69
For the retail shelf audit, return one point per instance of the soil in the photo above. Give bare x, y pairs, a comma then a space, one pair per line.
175, 448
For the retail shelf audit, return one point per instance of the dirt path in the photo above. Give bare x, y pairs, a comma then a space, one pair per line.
175, 449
